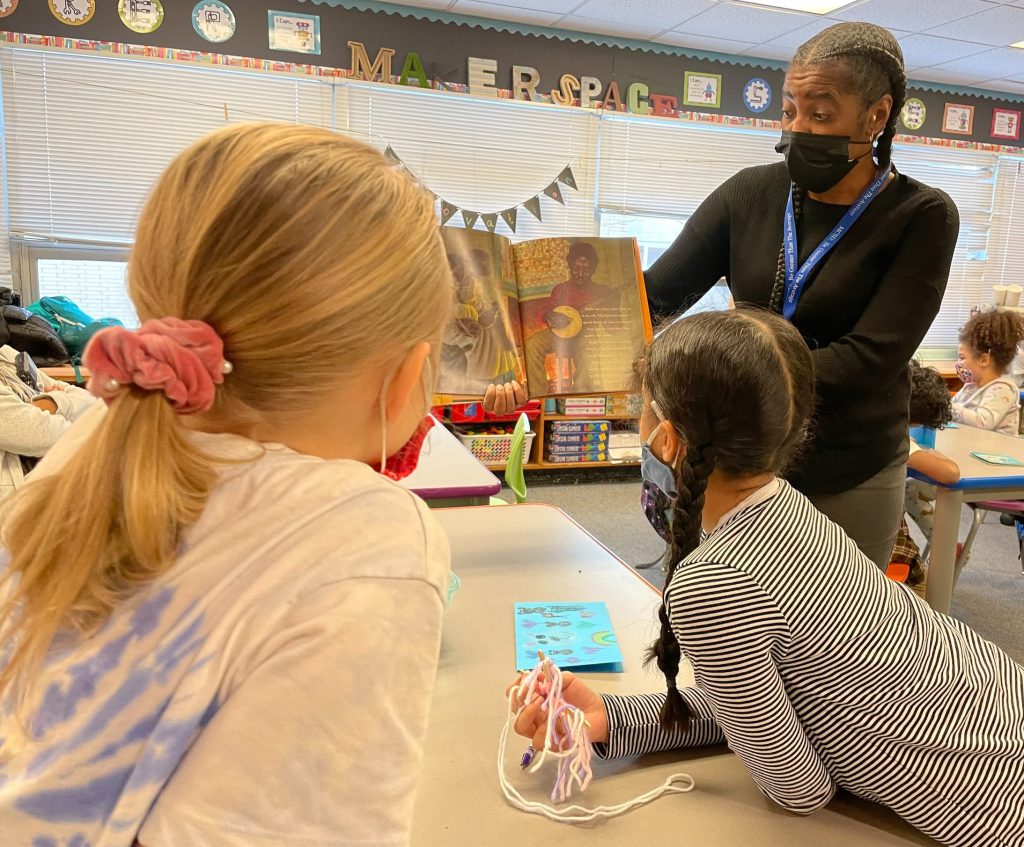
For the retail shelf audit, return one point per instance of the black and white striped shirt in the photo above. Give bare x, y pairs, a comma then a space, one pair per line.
820, 673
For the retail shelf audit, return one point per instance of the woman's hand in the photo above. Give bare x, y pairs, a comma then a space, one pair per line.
532, 722
45, 404
505, 399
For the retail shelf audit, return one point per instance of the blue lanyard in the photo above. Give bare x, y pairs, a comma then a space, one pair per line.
796, 279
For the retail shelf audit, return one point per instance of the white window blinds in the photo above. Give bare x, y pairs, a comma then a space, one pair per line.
1005, 262
667, 168
87, 136
484, 155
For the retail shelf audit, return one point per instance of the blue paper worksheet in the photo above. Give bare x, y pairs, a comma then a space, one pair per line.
576, 636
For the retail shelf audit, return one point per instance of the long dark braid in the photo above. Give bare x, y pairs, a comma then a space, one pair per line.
715, 377
691, 482
779, 286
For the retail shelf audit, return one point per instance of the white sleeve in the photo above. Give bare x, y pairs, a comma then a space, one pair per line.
321, 744
997, 400
25, 429
71, 401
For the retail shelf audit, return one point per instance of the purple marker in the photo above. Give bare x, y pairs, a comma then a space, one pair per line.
527, 757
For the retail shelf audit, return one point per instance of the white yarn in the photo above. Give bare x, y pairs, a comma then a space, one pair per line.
570, 745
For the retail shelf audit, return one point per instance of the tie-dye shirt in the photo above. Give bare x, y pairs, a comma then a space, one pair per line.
271, 688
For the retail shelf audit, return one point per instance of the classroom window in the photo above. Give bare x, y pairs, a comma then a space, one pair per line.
98, 287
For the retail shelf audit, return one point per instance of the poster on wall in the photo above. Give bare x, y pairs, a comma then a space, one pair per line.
958, 119
1006, 124
913, 114
7, 6
141, 15
213, 20
702, 90
294, 33
73, 12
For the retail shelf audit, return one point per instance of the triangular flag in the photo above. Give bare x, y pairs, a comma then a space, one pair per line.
470, 218
566, 178
533, 207
448, 211
554, 192
490, 221
392, 155
509, 216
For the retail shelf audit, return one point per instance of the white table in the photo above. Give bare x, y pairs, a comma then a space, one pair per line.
536, 553
978, 481
449, 475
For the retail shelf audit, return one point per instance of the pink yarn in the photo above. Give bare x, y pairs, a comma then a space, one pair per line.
183, 359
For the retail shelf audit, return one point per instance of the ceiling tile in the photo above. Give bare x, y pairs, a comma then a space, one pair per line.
1000, 62
796, 37
637, 29
426, 4
703, 42
924, 50
911, 15
728, 20
947, 77
998, 27
505, 13
1008, 85
770, 51
656, 15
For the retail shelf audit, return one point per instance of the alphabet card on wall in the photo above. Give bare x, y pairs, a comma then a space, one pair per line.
577, 636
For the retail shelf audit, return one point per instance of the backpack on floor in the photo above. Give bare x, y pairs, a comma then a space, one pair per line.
67, 319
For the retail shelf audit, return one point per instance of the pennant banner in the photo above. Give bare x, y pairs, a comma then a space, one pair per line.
533, 206
511, 215
448, 211
555, 193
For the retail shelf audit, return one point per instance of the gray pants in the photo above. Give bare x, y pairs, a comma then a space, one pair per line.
870, 513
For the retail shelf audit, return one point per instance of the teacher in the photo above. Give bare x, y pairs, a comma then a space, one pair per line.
854, 253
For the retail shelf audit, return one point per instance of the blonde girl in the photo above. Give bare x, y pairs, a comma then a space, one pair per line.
211, 596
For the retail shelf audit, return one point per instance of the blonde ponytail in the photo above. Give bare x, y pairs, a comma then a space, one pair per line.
309, 254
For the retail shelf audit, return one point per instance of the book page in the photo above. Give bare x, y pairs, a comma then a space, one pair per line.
482, 344
584, 314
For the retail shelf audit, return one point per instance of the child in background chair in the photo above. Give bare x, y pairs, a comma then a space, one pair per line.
221, 622
989, 399
930, 407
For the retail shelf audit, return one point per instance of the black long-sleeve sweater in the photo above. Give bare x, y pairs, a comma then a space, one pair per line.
863, 311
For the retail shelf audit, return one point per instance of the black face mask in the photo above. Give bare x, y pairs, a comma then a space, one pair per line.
817, 162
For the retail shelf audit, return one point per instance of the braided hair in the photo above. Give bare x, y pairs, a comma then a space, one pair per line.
715, 377
871, 62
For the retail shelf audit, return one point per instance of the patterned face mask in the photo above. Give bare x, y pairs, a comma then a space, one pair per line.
964, 372
658, 493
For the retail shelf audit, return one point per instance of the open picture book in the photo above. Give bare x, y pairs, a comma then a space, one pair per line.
567, 314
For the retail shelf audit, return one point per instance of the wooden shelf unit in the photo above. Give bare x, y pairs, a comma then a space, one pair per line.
536, 460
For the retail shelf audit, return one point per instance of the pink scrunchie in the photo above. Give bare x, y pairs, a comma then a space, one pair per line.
183, 359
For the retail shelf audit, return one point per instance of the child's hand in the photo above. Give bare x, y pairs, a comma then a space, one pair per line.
531, 721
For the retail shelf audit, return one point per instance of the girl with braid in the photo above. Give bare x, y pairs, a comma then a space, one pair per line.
863, 305
799, 646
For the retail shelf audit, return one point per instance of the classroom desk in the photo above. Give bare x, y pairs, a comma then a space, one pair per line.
449, 475
978, 481
536, 553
